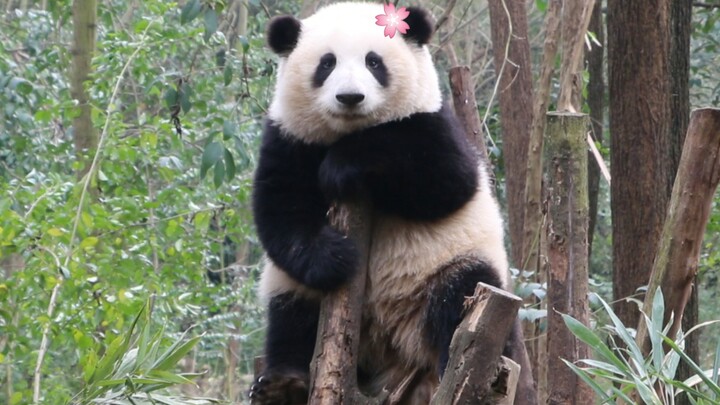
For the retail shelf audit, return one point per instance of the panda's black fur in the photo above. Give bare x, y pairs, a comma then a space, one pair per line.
419, 169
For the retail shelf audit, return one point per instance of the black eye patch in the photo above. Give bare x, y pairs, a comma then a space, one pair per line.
376, 66
323, 69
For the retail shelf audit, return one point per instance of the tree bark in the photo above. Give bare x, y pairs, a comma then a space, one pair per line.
641, 160
511, 55
566, 170
475, 372
333, 370
681, 26
596, 102
85, 137
690, 206
576, 17
533, 245
463, 95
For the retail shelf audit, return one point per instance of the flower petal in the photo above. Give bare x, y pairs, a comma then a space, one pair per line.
402, 26
402, 13
389, 8
389, 31
381, 20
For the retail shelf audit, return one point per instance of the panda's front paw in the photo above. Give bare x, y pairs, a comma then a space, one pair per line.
280, 388
333, 261
339, 179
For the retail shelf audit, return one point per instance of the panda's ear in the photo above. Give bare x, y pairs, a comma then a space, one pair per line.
421, 26
283, 33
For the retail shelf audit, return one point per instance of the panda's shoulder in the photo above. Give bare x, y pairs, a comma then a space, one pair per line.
280, 149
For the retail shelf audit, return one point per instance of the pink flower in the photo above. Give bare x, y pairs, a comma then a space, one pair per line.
393, 20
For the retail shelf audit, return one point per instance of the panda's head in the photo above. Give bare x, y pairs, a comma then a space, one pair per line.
338, 73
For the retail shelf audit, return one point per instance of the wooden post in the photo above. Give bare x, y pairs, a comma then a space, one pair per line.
567, 202
333, 371
688, 213
475, 373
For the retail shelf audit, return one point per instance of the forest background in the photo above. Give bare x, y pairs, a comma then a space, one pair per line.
159, 240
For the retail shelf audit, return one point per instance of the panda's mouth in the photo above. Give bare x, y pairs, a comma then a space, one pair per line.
348, 115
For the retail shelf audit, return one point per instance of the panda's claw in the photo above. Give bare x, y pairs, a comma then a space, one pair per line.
280, 387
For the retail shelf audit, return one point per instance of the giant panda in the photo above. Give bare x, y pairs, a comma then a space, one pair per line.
356, 114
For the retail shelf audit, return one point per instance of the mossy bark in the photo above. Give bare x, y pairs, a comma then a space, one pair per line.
567, 226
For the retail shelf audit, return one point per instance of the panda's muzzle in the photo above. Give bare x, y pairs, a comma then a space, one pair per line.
350, 99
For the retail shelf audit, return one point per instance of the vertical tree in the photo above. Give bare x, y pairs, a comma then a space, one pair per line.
680, 28
511, 55
596, 102
84, 15
641, 142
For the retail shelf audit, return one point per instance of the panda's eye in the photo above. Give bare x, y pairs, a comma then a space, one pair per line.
372, 62
327, 61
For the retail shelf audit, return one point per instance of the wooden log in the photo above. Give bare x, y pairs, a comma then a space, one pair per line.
474, 373
333, 371
697, 179
567, 225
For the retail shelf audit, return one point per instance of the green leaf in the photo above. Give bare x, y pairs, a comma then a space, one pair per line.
710, 383
586, 335
185, 93
174, 353
16, 398
88, 242
541, 5
190, 11
245, 43
227, 74
229, 165
170, 97
212, 154
20, 85
228, 129
211, 22
219, 174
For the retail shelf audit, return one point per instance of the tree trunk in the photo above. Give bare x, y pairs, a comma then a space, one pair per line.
566, 171
333, 370
512, 67
596, 102
475, 374
533, 245
690, 206
681, 26
641, 160
85, 136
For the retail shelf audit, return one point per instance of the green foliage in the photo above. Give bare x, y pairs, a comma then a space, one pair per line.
151, 223
619, 369
135, 365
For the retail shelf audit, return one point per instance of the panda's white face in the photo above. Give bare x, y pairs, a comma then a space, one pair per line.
342, 75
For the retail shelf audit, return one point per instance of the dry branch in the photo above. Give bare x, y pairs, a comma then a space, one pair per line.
690, 204
463, 95
576, 18
475, 373
566, 169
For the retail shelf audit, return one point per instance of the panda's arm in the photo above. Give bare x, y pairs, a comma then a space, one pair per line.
290, 214
421, 167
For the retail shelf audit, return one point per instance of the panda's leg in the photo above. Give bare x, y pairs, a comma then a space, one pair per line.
455, 281
289, 346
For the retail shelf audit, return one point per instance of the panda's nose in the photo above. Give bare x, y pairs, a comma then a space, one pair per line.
350, 99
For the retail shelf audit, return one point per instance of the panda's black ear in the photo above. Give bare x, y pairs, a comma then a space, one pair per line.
421, 26
283, 33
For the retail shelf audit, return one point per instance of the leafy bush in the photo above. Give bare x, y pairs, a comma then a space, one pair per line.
621, 371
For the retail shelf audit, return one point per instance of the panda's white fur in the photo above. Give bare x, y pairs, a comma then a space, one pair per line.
314, 114
405, 254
